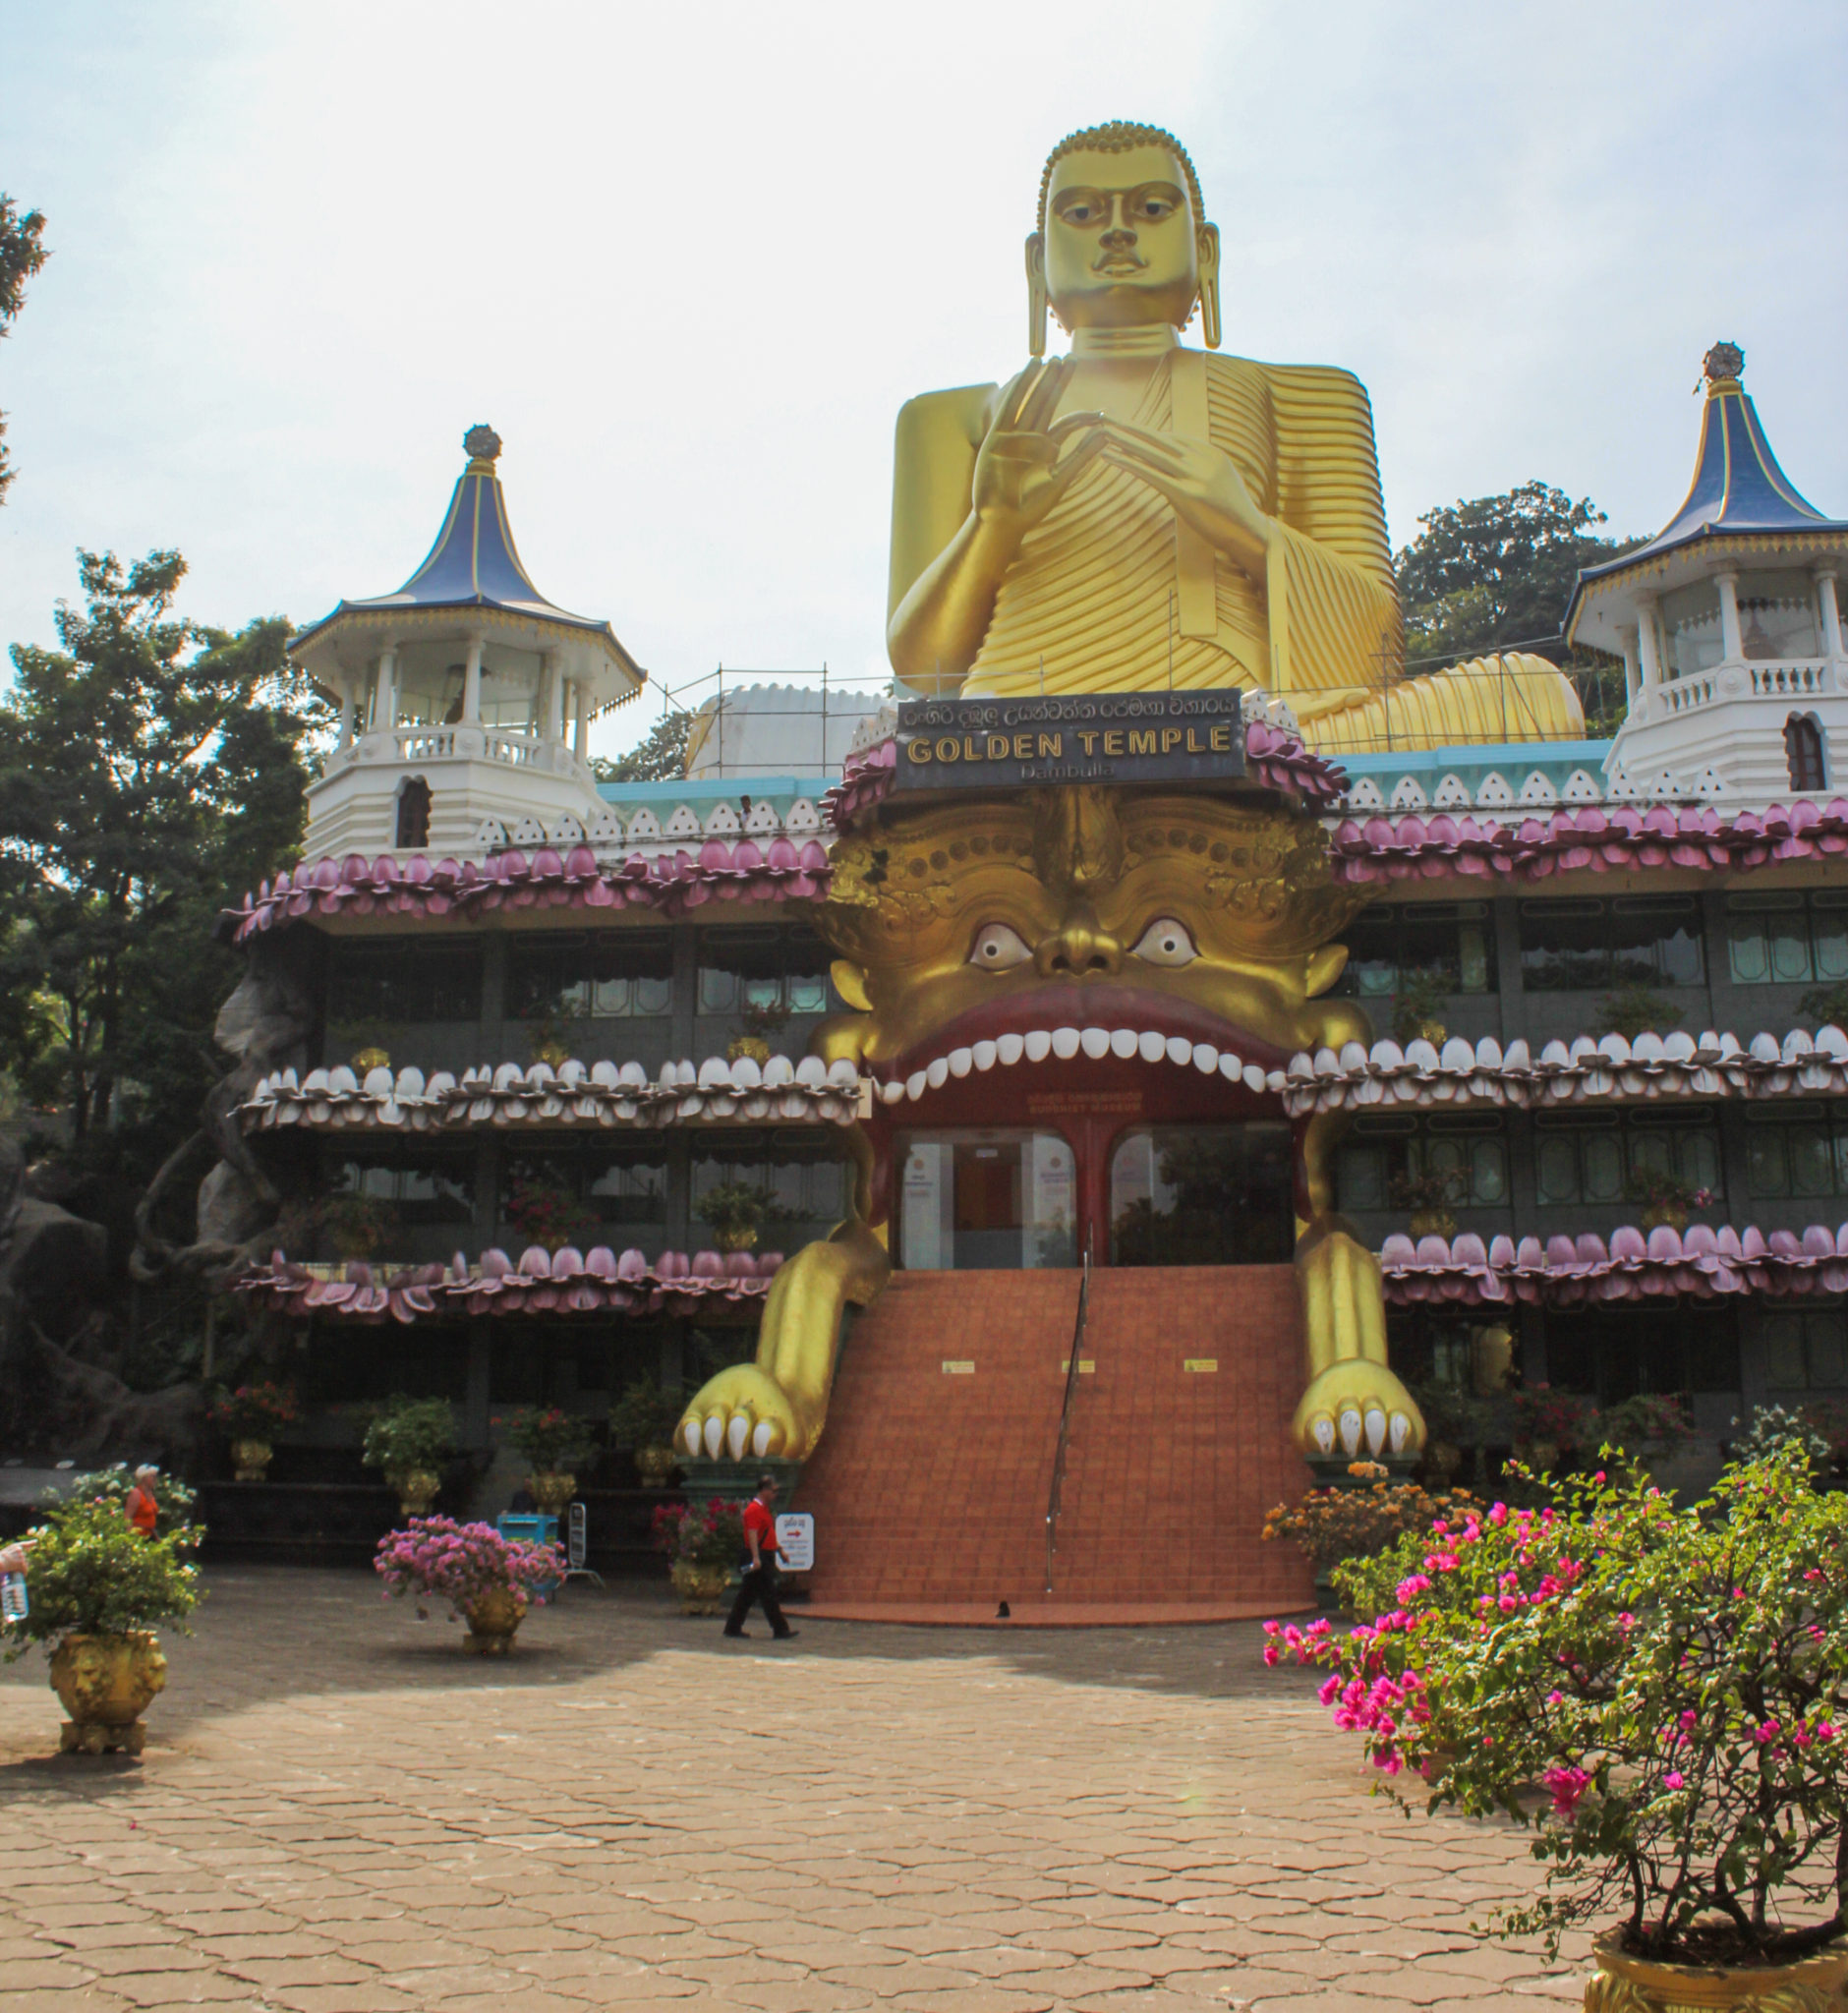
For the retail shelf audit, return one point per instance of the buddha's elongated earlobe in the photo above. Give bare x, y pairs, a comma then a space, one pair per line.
1209, 284
1036, 294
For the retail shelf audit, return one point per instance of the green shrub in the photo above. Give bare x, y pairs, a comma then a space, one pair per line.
92, 1573
411, 1433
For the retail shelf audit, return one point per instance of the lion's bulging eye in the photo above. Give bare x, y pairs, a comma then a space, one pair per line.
1166, 941
998, 949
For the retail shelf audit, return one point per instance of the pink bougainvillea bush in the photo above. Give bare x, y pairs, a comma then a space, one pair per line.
1659, 1694
439, 1559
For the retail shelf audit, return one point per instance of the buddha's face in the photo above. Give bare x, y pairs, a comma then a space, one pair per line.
1121, 242
1197, 919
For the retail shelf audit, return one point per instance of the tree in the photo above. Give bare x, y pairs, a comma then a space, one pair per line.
658, 758
22, 253
150, 771
1496, 573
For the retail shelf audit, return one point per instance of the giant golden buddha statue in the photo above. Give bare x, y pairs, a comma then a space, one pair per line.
1139, 514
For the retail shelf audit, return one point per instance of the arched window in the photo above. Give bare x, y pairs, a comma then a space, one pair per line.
413, 813
1803, 745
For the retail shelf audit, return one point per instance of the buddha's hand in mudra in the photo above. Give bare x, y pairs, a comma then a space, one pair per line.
1200, 481
1025, 463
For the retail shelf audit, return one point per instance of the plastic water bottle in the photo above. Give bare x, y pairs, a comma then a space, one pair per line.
14, 1605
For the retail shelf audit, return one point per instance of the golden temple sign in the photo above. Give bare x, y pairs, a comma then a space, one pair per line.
1090, 737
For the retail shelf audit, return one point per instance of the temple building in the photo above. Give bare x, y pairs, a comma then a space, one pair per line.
1103, 1101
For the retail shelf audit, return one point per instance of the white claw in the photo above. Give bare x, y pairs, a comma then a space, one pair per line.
1010, 1048
1349, 1424
1399, 1431
1375, 1429
690, 1432
760, 1439
715, 1435
1038, 1045
736, 1434
1096, 1042
1322, 1429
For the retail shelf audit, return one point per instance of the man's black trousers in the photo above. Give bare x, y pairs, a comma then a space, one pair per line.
760, 1585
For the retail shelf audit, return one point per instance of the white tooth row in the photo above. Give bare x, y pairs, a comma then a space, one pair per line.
1064, 1043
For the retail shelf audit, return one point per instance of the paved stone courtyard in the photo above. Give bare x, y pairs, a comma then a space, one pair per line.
339, 1811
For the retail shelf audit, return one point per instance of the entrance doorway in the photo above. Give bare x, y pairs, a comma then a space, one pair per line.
990, 1200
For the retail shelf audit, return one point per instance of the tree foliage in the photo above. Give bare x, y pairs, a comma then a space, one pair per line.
22, 253
151, 771
1496, 573
661, 756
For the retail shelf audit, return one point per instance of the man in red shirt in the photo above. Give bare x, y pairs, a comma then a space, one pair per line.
760, 1568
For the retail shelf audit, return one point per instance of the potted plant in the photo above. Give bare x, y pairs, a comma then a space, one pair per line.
1429, 1196
547, 1213
1665, 1199
96, 1589
1550, 1423
1674, 1686
358, 1226
759, 1023
704, 1545
1773, 1428
737, 1211
1631, 1010
174, 1500
488, 1580
642, 1421
554, 1443
411, 1439
249, 1417
1418, 1005
1826, 1005
1640, 1430
553, 1039
1336, 1523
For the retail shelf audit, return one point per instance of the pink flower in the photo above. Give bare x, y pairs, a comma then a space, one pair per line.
1567, 1785
1674, 1779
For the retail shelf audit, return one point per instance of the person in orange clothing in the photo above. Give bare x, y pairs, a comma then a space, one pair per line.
760, 1568
140, 1507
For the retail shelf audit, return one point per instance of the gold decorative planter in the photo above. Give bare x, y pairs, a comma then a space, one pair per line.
551, 1492
493, 1622
655, 1465
752, 1044
1636, 1984
703, 1589
740, 1237
417, 1489
1433, 1223
106, 1684
250, 1459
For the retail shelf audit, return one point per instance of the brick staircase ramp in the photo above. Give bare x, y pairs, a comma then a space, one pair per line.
930, 1486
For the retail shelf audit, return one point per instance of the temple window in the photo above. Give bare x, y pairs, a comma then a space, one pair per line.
764, 969
1605, 1157
1801, 1150
1806, 1351
378, 985
1635, 939
1614, 1352
597, 1194
986, 1200
594, 974
1201, 1195
1802, 749
1691, 626
801, 1175
1453, 941
1777, 615
1786, 938
418, 1187
413, 813
1467, 1147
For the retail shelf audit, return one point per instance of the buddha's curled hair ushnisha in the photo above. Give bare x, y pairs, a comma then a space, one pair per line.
1119, 136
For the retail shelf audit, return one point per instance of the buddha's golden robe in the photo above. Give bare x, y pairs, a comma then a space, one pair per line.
1111, 593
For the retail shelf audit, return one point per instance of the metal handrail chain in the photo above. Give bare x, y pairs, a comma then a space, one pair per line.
1064, 1418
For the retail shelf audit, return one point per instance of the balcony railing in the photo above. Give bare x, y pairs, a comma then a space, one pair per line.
1794, 679
409, 745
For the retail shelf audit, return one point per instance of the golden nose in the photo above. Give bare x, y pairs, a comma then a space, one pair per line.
1078, 950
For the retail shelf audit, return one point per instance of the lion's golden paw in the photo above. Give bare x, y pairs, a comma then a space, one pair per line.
741, 1413
1357, 1409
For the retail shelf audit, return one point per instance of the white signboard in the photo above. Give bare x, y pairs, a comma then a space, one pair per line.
796, 1541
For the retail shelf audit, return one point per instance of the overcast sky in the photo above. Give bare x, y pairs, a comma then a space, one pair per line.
689, 261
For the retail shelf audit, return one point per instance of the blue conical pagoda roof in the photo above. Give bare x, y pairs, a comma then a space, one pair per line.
475, 564
1738, 490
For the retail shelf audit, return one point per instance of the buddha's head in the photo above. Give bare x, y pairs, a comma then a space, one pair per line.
1122, 240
